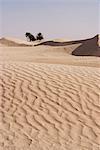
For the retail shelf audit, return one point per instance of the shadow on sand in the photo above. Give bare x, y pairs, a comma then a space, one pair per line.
88, 47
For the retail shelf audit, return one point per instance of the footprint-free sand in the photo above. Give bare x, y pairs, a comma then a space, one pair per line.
49, 99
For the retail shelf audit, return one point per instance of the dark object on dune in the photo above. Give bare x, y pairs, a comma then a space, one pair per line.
89, 47
30, 37
39, 36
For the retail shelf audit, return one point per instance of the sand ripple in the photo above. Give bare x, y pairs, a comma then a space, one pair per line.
49, 107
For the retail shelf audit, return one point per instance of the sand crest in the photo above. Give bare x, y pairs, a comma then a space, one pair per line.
87, 47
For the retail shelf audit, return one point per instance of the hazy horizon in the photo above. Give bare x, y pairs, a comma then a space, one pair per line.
72, 19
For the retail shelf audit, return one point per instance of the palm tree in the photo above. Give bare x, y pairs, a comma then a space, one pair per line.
30, 37
39, 36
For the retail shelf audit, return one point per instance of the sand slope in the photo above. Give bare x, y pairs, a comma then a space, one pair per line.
49, 107
49, 99
88, 47
13, 42
46, 54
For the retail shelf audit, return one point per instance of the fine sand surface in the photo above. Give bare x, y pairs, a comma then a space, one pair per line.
47, 54
49, 99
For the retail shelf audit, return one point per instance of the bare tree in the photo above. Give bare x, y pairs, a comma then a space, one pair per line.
39, 36
30, 37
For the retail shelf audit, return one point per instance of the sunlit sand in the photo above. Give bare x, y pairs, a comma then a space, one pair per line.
49, 98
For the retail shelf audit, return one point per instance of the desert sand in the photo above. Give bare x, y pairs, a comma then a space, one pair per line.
49, 99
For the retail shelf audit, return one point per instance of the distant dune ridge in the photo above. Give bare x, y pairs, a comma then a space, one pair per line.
15, 42
7, 42
88, 47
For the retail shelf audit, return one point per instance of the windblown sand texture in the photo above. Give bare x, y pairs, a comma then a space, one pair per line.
49, 100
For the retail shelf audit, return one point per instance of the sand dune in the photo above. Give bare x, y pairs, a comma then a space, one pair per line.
49, 99
47, 54
44, 106
9, 42
89, 47
15, 42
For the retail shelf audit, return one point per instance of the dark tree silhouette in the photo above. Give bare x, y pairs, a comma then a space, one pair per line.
30, 37
39, 36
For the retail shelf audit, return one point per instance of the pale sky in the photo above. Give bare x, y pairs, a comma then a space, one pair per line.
71, 19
